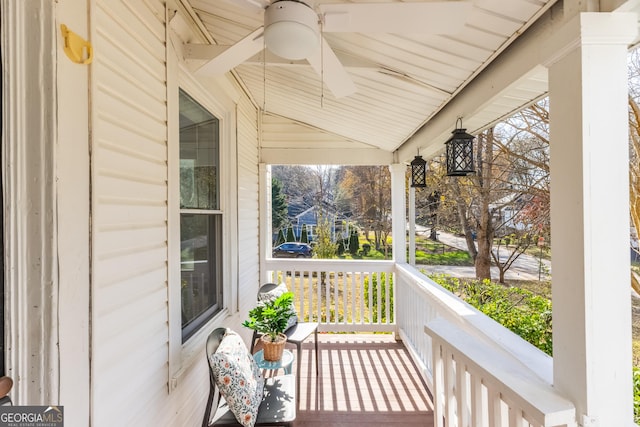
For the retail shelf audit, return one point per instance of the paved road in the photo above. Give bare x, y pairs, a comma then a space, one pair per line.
526, 267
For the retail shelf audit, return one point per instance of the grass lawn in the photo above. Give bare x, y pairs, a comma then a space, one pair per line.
428, 252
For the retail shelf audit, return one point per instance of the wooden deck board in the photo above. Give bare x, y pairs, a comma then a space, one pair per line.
365, 380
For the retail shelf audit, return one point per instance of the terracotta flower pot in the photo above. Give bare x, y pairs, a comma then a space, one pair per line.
273, 349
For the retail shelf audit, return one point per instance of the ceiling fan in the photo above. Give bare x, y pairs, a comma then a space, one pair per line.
293, 30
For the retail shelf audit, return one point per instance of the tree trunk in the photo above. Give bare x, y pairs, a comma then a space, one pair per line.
462, 208
485, 230
483, 259
502, 271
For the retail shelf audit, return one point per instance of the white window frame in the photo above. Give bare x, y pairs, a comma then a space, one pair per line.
183, 355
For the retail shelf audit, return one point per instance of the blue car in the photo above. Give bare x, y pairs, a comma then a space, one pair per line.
292, 250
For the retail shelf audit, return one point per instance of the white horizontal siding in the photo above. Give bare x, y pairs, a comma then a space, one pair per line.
280, 132
248, 206
129, 211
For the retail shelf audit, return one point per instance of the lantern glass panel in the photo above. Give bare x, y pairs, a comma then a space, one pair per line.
418, 172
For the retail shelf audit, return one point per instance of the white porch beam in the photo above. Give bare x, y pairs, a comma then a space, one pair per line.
590, 216
398, 212
323, 156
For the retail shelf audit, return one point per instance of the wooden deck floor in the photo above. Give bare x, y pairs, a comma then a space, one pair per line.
365, 380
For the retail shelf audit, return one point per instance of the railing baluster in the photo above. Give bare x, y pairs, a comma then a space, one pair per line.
495, 407
354, 297
438, 385
449, 386
319, 296
462, 394
336, 299
388, 312
515, 417
345, 301
477, 406
361, 279
302, 312
327, 297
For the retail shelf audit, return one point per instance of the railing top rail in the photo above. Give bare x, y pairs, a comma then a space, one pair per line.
537, 398
330, 264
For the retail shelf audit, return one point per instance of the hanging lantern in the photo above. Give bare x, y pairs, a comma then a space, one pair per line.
460, 152
418, 172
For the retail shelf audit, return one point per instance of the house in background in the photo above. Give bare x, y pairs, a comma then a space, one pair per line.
135, 180
309, 219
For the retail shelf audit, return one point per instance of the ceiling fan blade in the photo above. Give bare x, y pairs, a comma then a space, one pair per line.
234, 55
446, 17
256, 5
261, 4
327, 65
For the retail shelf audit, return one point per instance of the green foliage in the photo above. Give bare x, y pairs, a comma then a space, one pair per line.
279, 209
372, 287
281, 237
366, 248
271, 317
290, 236
354, 242
325, 248
520, 310
304, 236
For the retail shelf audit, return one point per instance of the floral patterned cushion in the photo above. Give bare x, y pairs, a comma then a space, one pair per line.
275, 293
238, 378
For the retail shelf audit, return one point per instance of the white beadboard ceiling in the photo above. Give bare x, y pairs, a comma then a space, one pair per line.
402, 80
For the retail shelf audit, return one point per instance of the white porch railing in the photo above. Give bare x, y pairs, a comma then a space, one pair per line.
480, 373
477, 384
343, 296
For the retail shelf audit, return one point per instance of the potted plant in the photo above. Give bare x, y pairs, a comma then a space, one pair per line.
271, 318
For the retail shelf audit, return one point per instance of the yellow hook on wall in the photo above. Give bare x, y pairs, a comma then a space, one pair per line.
77, 49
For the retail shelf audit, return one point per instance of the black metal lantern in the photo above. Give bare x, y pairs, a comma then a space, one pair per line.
419, 172
460, 153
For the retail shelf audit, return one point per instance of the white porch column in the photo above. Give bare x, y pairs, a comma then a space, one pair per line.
265, 218
590, 217
398, 212
412, 226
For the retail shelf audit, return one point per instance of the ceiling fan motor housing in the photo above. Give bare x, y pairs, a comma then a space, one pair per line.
291, 29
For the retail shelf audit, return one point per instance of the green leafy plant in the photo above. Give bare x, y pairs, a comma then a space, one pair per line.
525, 313
271, 317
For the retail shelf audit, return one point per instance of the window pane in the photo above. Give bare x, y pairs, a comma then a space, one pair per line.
199, 164
201, 263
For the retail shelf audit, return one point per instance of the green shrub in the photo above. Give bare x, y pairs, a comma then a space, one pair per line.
354, 243
366, 248
373, 289
519, 310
